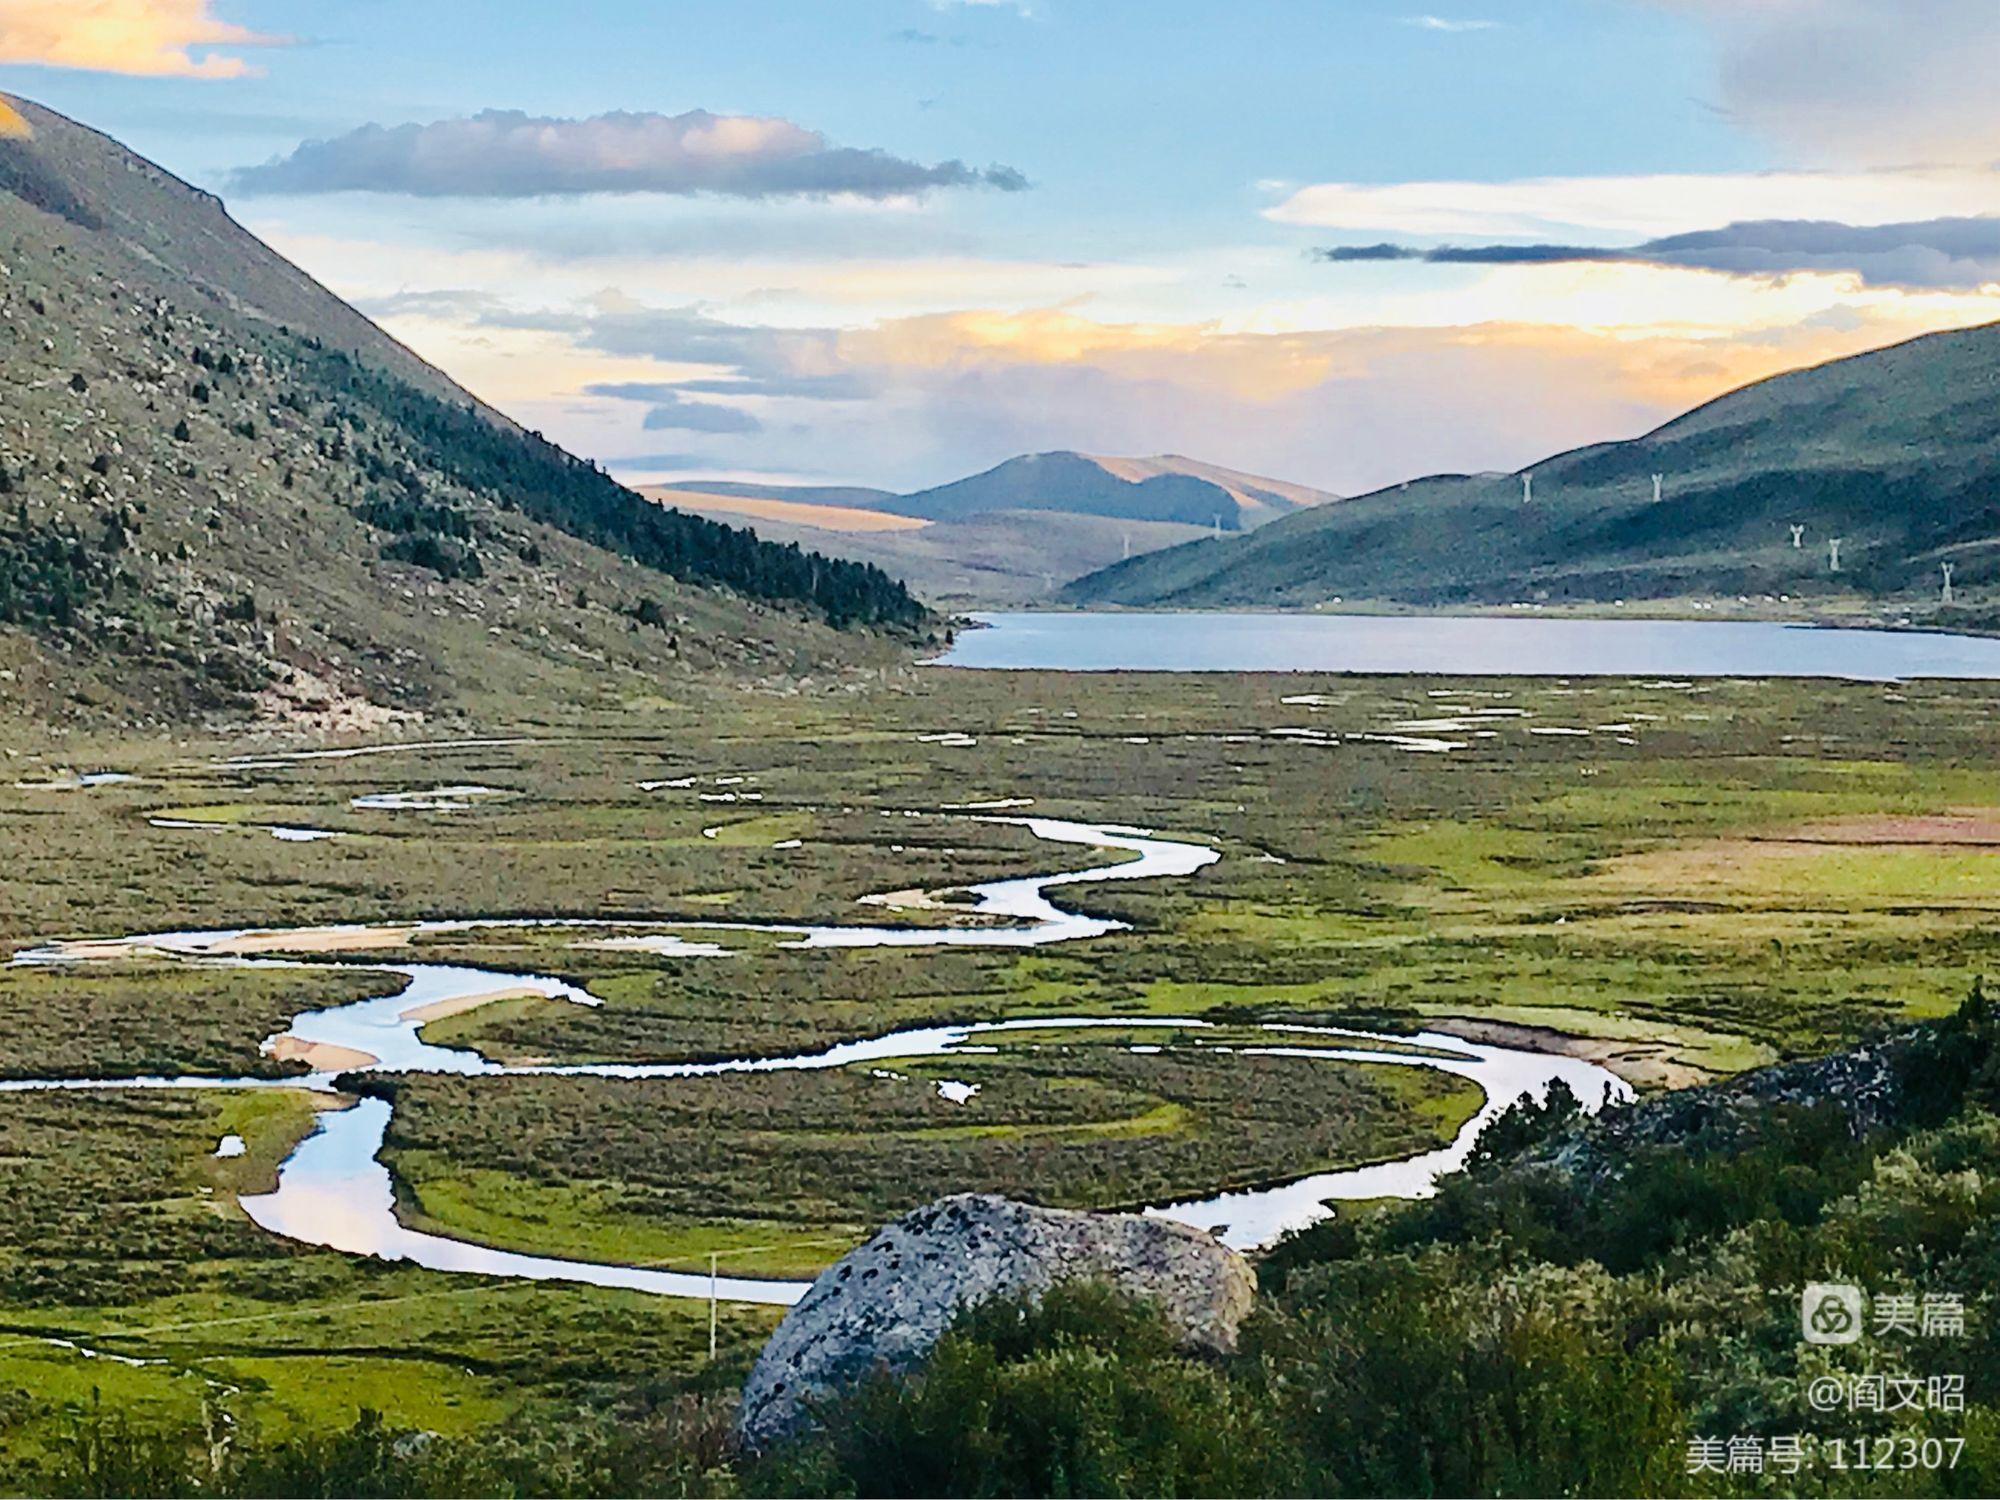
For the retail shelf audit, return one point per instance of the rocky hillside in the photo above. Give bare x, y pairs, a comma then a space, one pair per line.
1895, 454
225, 494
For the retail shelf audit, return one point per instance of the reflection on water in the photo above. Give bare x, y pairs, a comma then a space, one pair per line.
1257, 1217
333, 1192
1463, 646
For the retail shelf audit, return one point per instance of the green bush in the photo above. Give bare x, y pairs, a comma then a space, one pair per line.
1083, 1394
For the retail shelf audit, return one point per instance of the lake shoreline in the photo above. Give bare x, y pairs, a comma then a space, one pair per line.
1693, 612
1515, 644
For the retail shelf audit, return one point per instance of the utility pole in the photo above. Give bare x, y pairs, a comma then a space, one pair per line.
1833, 554
1947, 567
1798, 537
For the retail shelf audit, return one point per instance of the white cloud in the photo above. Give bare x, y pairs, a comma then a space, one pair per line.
1640, 207
1447, 24
508, 154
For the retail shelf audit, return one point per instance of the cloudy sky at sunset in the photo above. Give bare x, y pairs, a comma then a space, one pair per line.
1341, 242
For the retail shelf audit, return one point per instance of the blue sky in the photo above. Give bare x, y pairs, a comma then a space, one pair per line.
790, 310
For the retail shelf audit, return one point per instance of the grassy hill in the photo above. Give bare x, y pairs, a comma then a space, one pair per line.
1895, 453
225, 493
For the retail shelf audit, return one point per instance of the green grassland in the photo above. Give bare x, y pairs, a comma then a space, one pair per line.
639, 1171
122, 1019
129, 1279
1731, 886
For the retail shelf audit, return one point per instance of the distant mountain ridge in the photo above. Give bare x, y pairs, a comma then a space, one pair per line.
1165, 488
1893, 454
1014, 533
221, 487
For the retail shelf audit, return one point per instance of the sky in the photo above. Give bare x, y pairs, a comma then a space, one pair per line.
893, 242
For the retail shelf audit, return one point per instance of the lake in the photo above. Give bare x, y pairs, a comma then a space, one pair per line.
1458, 645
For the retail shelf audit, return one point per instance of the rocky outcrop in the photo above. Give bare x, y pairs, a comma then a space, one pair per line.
1858, 1091
883, 1306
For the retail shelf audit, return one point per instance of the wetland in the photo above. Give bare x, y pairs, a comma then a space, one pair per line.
1671, 879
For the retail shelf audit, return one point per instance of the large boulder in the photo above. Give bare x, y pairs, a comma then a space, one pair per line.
883, 1306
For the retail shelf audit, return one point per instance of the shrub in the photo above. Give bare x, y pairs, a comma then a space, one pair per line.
1083, 1394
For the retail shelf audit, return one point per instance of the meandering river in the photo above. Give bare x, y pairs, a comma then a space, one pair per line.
334, 1191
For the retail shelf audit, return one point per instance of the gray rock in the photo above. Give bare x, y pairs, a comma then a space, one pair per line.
884, 1305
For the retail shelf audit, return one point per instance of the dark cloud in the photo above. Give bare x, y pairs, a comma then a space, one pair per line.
652, 462
1925, 253
843, 385
1882, 82
1481, 255
508, 154
699, 416
803, 363
669, 409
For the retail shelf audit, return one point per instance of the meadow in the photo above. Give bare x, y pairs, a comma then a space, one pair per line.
1685, 879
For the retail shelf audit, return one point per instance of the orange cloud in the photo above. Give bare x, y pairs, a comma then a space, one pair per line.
155, 38
1348, 390
1663, 367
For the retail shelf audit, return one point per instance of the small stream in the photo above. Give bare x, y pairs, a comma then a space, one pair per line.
334, 1191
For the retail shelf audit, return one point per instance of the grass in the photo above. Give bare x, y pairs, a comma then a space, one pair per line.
592, 1221
640, 1172
1631, 894
127, 1019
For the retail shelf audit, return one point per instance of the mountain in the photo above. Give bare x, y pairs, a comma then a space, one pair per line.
1894, 453
1013, 534
1257, 499
1150, 489
1165, 488
224, 491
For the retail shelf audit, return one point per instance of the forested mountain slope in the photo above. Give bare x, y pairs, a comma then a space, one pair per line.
224, 491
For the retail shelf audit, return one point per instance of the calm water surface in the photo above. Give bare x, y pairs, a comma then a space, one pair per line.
1459, 645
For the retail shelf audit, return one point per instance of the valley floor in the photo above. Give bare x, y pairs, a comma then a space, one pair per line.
1681, 880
